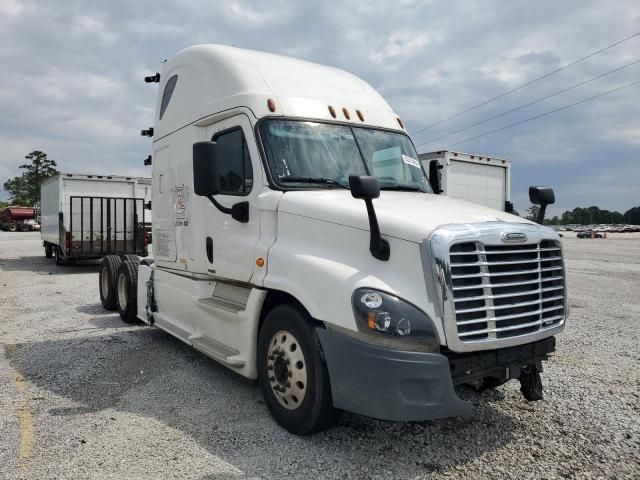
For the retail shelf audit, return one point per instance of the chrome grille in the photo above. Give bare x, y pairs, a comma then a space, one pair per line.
503, 291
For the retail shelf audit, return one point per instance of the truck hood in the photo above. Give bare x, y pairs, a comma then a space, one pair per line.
406, 215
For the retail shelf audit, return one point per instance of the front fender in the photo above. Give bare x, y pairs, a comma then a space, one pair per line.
321, 263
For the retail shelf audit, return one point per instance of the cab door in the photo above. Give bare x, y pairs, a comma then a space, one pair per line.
230, 244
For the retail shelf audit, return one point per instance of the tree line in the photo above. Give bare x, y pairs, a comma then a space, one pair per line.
594, 215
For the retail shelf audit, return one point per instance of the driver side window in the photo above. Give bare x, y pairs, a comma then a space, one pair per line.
236, 172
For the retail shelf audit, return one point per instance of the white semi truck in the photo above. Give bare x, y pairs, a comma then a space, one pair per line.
476, 178
298, 241
89, 216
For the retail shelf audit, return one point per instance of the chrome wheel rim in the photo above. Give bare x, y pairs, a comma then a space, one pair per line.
104, 283
122, 292
287, 370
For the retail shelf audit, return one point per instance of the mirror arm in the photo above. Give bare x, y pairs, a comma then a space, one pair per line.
541, 213
219, 206
378, 246
239, 211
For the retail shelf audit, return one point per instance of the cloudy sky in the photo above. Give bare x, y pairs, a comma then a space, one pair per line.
72, 84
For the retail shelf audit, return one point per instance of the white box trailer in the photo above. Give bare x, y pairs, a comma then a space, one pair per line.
89, 216
476, 178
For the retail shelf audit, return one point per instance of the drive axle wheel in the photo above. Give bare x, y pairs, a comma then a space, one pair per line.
107, 281
127, 292
292, 373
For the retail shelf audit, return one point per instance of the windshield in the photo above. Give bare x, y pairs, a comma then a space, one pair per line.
323, 155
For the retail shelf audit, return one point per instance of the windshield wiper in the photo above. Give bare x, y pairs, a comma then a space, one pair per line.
402, 188
320, 180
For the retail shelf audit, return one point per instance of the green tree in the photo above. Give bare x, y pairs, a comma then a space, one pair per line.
567, 218
532, 213
632, 216
25, 189
617, 217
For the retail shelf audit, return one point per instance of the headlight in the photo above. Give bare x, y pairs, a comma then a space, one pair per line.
393, 322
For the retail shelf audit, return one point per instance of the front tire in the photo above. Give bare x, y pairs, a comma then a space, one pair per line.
48, 250
292, 373
107, 281
127, 292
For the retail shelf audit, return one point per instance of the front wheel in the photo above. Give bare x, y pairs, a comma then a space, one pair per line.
292, 373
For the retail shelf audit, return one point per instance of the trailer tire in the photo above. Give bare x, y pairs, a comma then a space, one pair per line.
24, 228
12, 227
107, 281
127, 291
48, 250
58, 254
290, 362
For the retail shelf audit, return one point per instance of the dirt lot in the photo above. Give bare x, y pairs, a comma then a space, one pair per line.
83, 395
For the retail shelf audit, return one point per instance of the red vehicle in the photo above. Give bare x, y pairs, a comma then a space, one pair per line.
16, 218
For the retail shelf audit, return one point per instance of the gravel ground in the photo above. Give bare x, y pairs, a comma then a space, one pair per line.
83, 395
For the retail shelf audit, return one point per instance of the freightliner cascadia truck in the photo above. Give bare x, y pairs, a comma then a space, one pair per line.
299, 241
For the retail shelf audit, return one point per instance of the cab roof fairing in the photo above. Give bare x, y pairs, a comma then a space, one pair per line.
217, 78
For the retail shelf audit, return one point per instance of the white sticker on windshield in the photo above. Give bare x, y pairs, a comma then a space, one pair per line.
410, 161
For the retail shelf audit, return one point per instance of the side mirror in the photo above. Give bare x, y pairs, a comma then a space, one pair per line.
542, 196
435, 176
367, 188
364, 188
206, 177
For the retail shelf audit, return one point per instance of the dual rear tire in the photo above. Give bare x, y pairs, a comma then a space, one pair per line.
118, 285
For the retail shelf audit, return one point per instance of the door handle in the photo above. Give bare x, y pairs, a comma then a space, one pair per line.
210, 249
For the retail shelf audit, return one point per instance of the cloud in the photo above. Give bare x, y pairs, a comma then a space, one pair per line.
72, 78
402, 44
10, 8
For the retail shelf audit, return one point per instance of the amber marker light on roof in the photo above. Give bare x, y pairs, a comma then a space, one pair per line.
360, 115
345, 112
332, 111
400, 122
271, 104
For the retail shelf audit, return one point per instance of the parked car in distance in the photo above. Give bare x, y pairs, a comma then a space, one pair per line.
589, 234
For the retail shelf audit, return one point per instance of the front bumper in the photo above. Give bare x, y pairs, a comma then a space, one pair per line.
502, 364
388, 384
